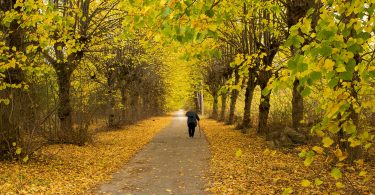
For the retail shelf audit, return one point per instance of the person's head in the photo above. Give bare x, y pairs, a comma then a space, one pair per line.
189, 108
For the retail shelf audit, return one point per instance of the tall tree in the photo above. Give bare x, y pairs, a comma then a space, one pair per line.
213, 78
296, 10
17, 38
13, 38
80, 25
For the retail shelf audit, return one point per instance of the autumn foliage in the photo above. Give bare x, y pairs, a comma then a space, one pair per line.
299, 73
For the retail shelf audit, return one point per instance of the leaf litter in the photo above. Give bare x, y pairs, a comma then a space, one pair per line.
245, 164
70, 169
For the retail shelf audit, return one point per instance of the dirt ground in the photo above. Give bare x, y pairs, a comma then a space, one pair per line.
172, 163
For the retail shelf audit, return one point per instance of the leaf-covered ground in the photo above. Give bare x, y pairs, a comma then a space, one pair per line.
245, 164
69, 169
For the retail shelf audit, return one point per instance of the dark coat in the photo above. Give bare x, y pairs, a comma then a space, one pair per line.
192, 117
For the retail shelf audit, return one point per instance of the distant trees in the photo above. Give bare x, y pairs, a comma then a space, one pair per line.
214, 75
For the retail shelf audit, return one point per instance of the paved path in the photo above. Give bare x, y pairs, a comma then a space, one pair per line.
172, 163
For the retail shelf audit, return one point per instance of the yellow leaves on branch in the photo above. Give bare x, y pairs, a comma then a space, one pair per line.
69, 169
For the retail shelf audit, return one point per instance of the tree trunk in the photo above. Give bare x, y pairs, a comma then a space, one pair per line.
223, 106
196, 101
215, 106
297, 106
264, 109
353, 92
355, 152
13, 36
232, 107
123, 102
201, 105
111, 107
372, 119
233, 99
111, 98
251, 84
64, 109
134, 106
295, 11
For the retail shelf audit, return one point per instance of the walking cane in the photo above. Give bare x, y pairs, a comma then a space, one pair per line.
200, 133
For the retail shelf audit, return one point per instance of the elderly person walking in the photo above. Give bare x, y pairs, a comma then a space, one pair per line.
192, 120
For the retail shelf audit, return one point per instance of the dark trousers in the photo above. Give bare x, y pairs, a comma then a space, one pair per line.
191, 129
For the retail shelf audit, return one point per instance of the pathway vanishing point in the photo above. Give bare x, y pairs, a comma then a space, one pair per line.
172, 163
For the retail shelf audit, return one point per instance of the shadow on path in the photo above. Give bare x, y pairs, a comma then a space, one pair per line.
172, 163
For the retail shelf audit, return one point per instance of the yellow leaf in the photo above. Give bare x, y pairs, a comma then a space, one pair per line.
157, 38
340, 155
318, 149
327, 141
355, 143
340, 185
308, 161
368, 29
362, 173
239, 153
238, 60
359, 162
25, 159
328, 64
163, 2
318, 182
18, 151
341, 68
12, 63
287, 191
168, 190
305, 183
